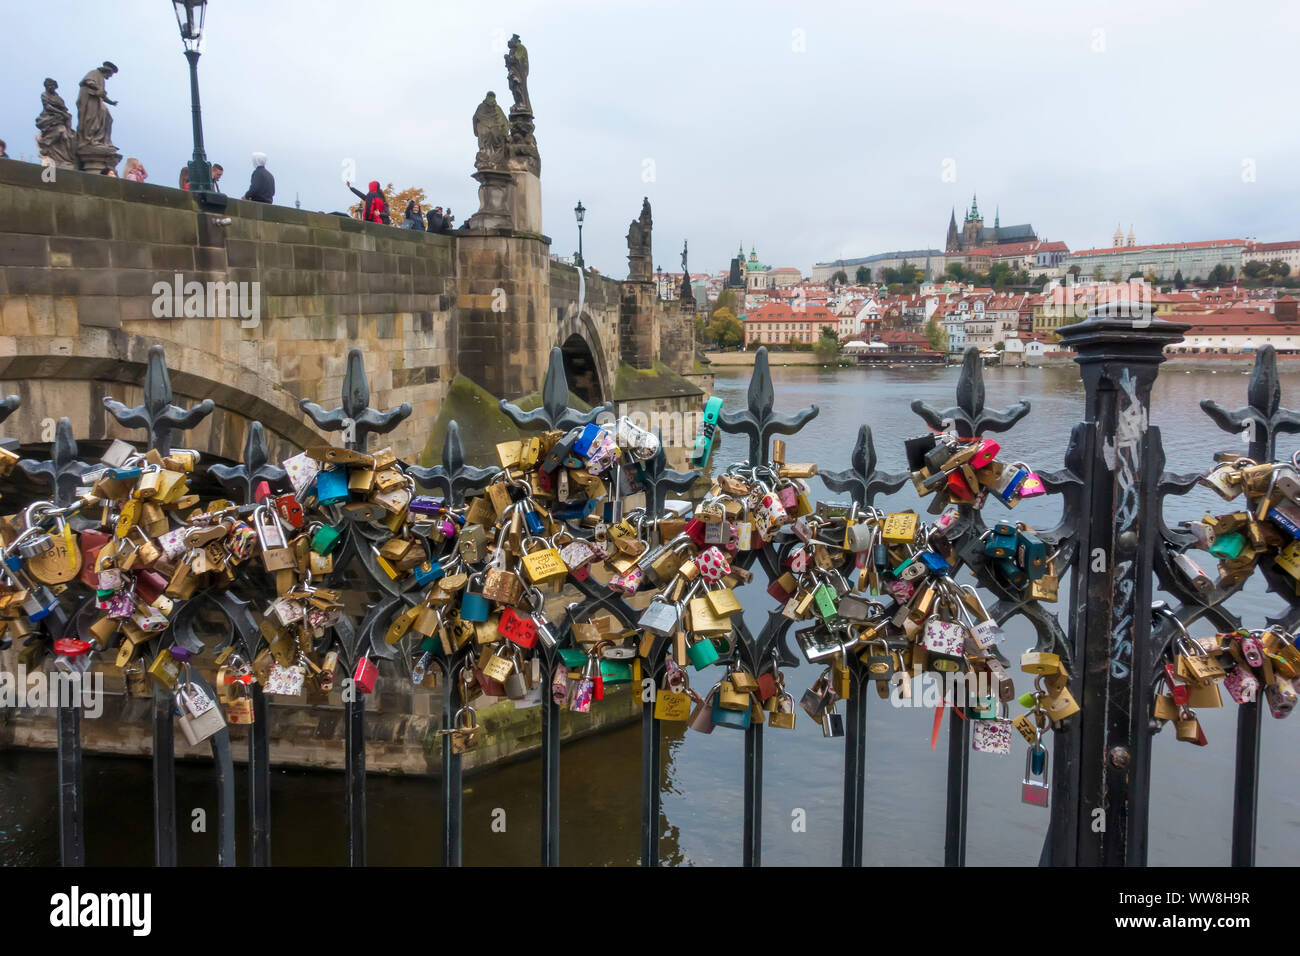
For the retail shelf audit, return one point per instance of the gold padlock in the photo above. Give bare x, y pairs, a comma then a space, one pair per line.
543, 564
900, 527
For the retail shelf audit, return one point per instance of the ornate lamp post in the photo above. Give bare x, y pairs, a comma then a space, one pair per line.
190, 15
659, 281
579, 213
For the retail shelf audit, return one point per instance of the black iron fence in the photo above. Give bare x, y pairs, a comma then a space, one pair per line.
1112, 539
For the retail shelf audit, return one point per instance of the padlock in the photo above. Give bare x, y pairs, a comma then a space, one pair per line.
465, 732
200, 717
1034, 786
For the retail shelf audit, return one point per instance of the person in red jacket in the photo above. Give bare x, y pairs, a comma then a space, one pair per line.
375, 209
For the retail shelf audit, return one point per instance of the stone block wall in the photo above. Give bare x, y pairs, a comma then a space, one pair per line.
79, 260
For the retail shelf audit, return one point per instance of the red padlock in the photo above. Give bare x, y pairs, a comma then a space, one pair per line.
516, 629
289, 510
262, 492
91, 543
148, 585
366, 674
694, 530
958, 488
767, 685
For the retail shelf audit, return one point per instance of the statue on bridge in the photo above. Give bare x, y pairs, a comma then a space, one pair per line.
95, 147
56, 141
492, 129
523, 145
687, 294
638, 244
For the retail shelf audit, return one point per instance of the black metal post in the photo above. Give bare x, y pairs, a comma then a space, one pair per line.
550, 766
1119, 349
753, 838
259, 782
855, 766
355, 762
954, 842
200, 171
164, 780
651, 762
72, 850
451, 775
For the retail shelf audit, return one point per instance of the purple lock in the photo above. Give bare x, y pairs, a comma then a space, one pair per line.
120, 605
448, 528
182, 655
426, 505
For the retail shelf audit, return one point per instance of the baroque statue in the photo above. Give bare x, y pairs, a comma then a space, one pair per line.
638, 244
56, 139
517, 74
492, 129
94, 122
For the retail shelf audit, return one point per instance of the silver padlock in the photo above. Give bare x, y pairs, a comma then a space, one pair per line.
661, 616
200, 717
832, 723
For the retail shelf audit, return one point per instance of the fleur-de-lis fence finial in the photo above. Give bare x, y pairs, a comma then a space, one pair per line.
1264, 415
62, 473
554, 412
757, 420
354, 416
659, 479
453, 476
158, 416
255, 468
969, 414
860, 479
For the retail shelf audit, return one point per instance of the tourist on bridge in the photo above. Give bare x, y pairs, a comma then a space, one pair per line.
216, 177
375, 209
437, 222
185, 177
135, 171
412, 218
261, 187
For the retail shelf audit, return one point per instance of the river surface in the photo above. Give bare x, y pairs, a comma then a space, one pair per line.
1192, 787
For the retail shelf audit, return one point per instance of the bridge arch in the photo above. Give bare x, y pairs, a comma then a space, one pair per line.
585, 357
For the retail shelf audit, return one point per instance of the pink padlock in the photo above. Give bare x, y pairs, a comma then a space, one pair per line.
988, 451
1241, 686
630, 580
1032, 486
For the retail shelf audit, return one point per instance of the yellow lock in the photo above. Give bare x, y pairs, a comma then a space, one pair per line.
543, 564
672, 705
899, 528
401, 624
171, 486
704, 621
729, 698
128, 518
164, 668
723, 601
1288, 559
1040, 662
508, 453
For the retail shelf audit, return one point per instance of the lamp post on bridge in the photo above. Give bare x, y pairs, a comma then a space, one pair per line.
579, 213
659, 282
190, 17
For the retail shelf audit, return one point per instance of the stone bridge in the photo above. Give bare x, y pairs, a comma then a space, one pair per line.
82, 259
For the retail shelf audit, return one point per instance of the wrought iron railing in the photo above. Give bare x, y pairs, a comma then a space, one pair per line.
1112, 488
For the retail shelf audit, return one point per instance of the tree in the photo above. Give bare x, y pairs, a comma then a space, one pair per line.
396, 203
1179, 282
1098, 273
1255, 269
1074, 271
840, 278
863, 275
1221, 273
725, 329
827, 347
956, 272
937, 334
1135, 274
1279, 269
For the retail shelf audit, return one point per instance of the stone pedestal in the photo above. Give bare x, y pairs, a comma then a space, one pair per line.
494, 200
525, 200
95, 159
638, 268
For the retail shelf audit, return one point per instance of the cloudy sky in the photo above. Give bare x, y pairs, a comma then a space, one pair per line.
812, 130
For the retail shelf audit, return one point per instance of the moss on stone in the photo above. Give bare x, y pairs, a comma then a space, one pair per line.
658, 381
482, 423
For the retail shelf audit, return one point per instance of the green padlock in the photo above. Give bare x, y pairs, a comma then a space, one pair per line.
324, 540
1228, 545
824, 596
702, 653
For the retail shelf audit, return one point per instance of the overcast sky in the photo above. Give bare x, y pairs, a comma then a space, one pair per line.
811, 130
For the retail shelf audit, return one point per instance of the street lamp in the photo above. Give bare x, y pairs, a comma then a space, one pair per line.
579, 213
659, 281
190, 15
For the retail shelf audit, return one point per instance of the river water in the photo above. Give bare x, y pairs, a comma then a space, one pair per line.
803, 771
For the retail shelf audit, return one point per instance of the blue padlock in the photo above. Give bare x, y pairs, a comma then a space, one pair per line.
738, 719
428, 572
533, 520
582, 444
332, 486
1006, 493
935, 562
1001, 541
703, 450
473, 605
118, 474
